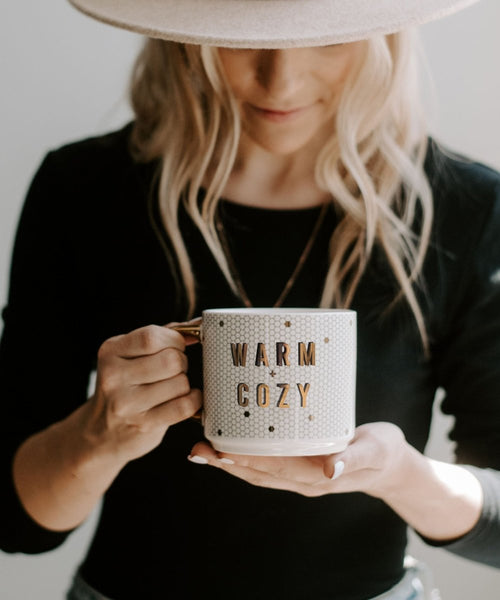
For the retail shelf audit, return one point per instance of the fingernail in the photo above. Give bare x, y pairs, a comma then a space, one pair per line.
338, 469
199, 460
226, 461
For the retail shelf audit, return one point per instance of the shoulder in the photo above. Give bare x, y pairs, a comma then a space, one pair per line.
466, 196
469, 184
90, 185
98, 173
465, 244
92, 156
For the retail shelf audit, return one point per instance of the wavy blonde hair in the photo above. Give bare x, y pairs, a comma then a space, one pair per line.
372, 165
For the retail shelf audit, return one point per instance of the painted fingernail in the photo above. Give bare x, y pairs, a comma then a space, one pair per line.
199, 460
226, 461
338, 469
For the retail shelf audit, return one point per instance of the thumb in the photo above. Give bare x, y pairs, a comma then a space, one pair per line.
361, 453
375, 446
190, 330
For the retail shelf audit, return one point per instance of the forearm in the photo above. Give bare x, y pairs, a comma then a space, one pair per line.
60, 475
439, 500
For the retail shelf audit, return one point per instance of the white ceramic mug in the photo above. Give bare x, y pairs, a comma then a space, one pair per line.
278, 381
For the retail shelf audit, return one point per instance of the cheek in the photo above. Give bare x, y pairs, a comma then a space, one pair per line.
334, 77
237, 70
345, 61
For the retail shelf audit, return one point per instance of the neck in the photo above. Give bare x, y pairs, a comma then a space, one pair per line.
262, 178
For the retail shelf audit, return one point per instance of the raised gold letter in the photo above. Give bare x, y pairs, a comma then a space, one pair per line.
307, 357
262, 395
242, 400
284, 391
282, 351
303, 390
261, 355
239, 352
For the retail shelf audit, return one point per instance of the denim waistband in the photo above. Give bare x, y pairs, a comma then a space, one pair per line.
416, 585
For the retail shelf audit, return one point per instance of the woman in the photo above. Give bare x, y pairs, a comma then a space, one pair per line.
313, 140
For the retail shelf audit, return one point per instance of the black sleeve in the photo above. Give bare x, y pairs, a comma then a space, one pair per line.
45, 353
469, 372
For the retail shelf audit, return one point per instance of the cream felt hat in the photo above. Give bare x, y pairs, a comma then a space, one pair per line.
267, 23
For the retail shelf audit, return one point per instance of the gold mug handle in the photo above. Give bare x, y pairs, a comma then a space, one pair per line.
193, 329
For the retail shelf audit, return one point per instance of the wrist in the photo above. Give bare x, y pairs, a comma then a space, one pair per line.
441, 501
400, 474
94, 454
59, 476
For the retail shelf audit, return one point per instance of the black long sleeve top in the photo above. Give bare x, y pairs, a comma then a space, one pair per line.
89, 262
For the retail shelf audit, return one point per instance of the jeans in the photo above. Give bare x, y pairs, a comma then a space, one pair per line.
415, 585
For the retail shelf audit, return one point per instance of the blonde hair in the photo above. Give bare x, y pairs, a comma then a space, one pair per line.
372, 164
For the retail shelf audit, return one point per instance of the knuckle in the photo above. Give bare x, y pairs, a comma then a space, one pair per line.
109, 380
106, 349
181, 386
117, 408
147, 337
176, 360
183, 410
171, 361
144, 426
185, 386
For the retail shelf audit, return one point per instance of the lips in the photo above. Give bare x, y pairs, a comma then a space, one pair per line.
278, 116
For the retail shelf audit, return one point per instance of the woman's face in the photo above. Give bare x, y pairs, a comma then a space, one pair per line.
286, 97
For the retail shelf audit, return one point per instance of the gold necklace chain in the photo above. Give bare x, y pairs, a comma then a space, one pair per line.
293, 277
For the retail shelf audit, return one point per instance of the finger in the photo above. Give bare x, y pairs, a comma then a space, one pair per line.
361, 454
300, 469
143, 398
176, 410
165, 364
203, 454
189, 339
142, 342
304, 469
265, 480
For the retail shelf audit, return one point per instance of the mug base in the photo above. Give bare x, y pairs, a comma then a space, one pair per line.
265, 447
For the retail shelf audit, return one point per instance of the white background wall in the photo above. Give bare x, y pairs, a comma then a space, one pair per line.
64, 76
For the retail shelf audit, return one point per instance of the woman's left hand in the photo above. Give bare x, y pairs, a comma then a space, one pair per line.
440, 500
373, 463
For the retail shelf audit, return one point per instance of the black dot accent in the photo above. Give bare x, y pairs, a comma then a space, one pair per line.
246, 413
221, 323
271, 428
219, 432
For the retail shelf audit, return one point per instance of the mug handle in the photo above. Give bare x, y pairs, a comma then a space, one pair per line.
192, 329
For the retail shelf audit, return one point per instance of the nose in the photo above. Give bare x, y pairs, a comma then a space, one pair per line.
280, 72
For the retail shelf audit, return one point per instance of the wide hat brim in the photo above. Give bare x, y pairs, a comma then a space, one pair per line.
267, 23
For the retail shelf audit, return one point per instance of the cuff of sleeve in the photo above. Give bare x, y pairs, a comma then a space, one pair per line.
482, 542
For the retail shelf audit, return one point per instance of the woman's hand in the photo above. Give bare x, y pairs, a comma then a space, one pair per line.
440, 500
61, 472
141, 389
372, 462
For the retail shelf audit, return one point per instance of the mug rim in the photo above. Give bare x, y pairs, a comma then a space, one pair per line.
277, 311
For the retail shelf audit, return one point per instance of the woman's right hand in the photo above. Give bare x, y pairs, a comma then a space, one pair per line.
61, 472
141, 389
